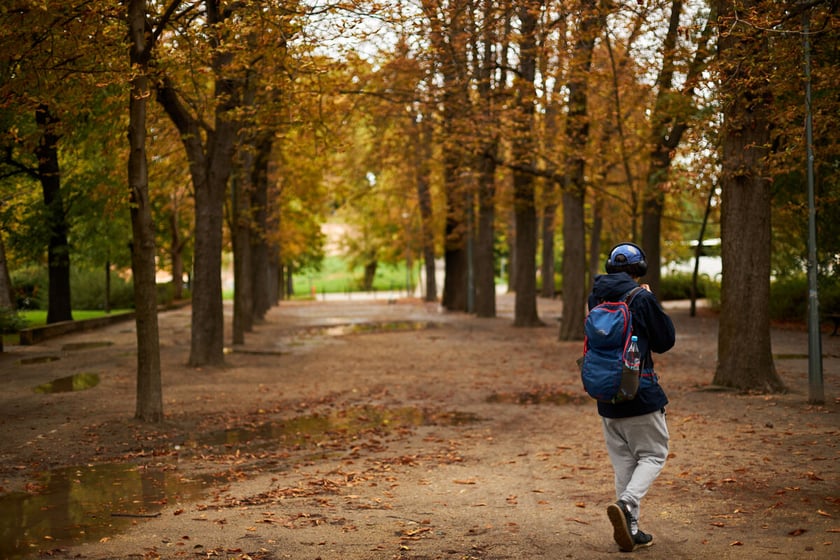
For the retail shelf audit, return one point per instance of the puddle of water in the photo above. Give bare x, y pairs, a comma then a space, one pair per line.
539, 396
84, 345
71, 506
85, 504
315, 429
77, 382
38, 360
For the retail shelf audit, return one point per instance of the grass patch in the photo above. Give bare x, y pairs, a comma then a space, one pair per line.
335, 276
38, 317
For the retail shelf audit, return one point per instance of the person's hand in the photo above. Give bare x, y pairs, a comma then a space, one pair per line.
646, 287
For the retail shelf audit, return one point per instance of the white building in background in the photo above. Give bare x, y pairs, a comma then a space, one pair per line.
710, 261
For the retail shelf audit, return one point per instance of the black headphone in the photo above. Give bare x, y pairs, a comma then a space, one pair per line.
620, 262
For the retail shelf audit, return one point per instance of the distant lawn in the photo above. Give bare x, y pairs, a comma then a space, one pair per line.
335, 277
38, 317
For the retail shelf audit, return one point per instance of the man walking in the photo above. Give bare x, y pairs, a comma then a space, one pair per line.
635, 431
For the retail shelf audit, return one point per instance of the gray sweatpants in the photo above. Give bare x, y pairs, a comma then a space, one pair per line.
638, 447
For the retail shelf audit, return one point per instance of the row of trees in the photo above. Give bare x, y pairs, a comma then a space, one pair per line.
459, 128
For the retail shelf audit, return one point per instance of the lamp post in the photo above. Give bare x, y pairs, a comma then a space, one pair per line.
816, 394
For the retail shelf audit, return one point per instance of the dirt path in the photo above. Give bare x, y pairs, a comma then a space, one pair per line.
413, 435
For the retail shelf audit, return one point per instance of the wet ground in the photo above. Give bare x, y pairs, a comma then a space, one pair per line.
358, 429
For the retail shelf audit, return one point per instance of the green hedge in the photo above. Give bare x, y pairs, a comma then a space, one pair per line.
789, 298
678, 286
87, 289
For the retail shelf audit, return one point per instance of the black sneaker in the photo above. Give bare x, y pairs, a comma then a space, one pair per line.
619, 514
642, 540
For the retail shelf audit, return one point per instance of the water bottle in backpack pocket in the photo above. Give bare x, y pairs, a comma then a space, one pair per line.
630, 371
610, 366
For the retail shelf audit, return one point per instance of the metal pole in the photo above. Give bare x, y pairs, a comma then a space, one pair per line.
816, 394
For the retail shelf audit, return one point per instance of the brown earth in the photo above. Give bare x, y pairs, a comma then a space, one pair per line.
422, 435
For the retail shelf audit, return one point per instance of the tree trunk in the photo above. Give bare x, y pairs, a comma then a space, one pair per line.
243, 302
574, 188
421, 131
210, 169
663, 143
58, 249
669, 126
595, 241
485, 270
7, 297
149, 403
574, 265
524, 204
264, 295
493, 39
745, 359
547, 266
369, 276
449, 42
176, 250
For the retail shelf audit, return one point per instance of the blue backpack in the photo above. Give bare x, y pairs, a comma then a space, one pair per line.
607, 331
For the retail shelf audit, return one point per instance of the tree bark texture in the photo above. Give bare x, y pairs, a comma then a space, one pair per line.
210, 167
243, 302
574, 188
524, 203
149, 402
485, 273
745, 358
264, 295
59, 307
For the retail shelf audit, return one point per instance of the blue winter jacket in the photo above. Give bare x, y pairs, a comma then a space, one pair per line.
656, 334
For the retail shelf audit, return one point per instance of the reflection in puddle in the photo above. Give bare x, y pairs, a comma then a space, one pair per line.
539, 396
316, 429
77, 382
85, 504
67, 507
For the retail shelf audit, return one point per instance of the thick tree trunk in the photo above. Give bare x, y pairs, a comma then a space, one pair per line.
574, 188
455, 263
525, 303
574, 265
149, 403
210, 167
450, 44
524, 203
58, 249
745, 359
